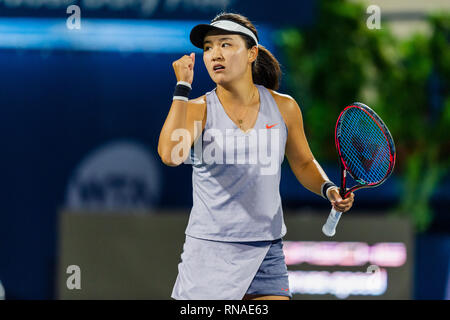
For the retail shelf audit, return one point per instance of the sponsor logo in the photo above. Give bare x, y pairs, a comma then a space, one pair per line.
116, 176
269, 127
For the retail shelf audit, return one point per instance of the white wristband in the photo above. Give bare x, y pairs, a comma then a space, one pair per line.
180, 98
184, 83
331, 188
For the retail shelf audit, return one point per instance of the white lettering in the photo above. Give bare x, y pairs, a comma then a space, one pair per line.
73, 21
213, 152
181, 150
148, 7
373, 21
387, 254
229, 146
197, 310
233, 147
274, 148
341, 284
74, 280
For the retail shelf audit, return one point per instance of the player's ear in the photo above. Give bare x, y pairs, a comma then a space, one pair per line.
252, 53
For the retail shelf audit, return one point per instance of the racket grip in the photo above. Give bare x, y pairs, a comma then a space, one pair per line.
329, 228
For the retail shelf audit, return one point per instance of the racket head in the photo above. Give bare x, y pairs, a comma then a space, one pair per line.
365, 146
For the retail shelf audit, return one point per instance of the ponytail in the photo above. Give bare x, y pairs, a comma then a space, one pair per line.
266, 70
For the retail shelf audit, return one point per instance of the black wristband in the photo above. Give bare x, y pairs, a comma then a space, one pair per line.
325, 188
182, 91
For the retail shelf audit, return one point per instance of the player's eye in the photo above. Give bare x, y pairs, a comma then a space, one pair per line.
223, 44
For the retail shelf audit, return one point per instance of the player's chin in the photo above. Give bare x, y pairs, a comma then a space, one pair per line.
220, 79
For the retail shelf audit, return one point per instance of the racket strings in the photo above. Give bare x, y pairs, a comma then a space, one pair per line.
369, 159
364, 146
380, 149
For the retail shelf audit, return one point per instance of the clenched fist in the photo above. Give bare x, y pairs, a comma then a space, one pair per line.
184, 68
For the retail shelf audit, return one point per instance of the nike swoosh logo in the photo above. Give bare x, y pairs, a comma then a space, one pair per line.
268, 127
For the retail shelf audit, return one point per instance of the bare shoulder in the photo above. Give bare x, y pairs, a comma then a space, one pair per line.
287, 105
197, 107
198, 101
196, 110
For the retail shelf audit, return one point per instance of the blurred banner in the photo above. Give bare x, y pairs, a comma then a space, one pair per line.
294, 12
370, 257
136, 256
105, 35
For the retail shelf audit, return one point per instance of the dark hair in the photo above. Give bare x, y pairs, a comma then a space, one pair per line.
266, 69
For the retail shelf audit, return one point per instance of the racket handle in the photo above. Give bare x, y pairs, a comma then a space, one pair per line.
329, 228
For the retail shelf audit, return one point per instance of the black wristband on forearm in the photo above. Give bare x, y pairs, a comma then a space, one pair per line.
182, 90
325, 187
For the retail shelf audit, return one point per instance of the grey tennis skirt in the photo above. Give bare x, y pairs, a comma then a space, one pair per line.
216, 270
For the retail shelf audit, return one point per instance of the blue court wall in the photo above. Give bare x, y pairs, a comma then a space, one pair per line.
58, 106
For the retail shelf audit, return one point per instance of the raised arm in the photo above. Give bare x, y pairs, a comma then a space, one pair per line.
179, 132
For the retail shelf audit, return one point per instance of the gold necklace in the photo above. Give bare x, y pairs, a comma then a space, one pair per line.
241, 121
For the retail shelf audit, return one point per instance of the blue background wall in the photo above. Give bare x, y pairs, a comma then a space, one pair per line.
57, 106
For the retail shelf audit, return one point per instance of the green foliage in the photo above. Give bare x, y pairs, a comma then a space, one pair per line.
327, 67
413, 94
339, 61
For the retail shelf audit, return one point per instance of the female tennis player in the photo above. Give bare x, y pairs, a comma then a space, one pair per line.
233, 247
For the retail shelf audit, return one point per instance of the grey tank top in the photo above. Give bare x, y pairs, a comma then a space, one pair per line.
236, 175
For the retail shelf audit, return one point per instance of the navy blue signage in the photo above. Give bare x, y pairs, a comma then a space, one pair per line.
284, 11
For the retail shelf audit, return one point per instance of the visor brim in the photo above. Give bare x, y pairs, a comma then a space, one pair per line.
199, 32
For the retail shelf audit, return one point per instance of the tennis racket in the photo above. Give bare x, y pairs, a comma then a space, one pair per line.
366, 152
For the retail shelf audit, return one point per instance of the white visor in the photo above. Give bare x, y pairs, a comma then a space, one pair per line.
199, 32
